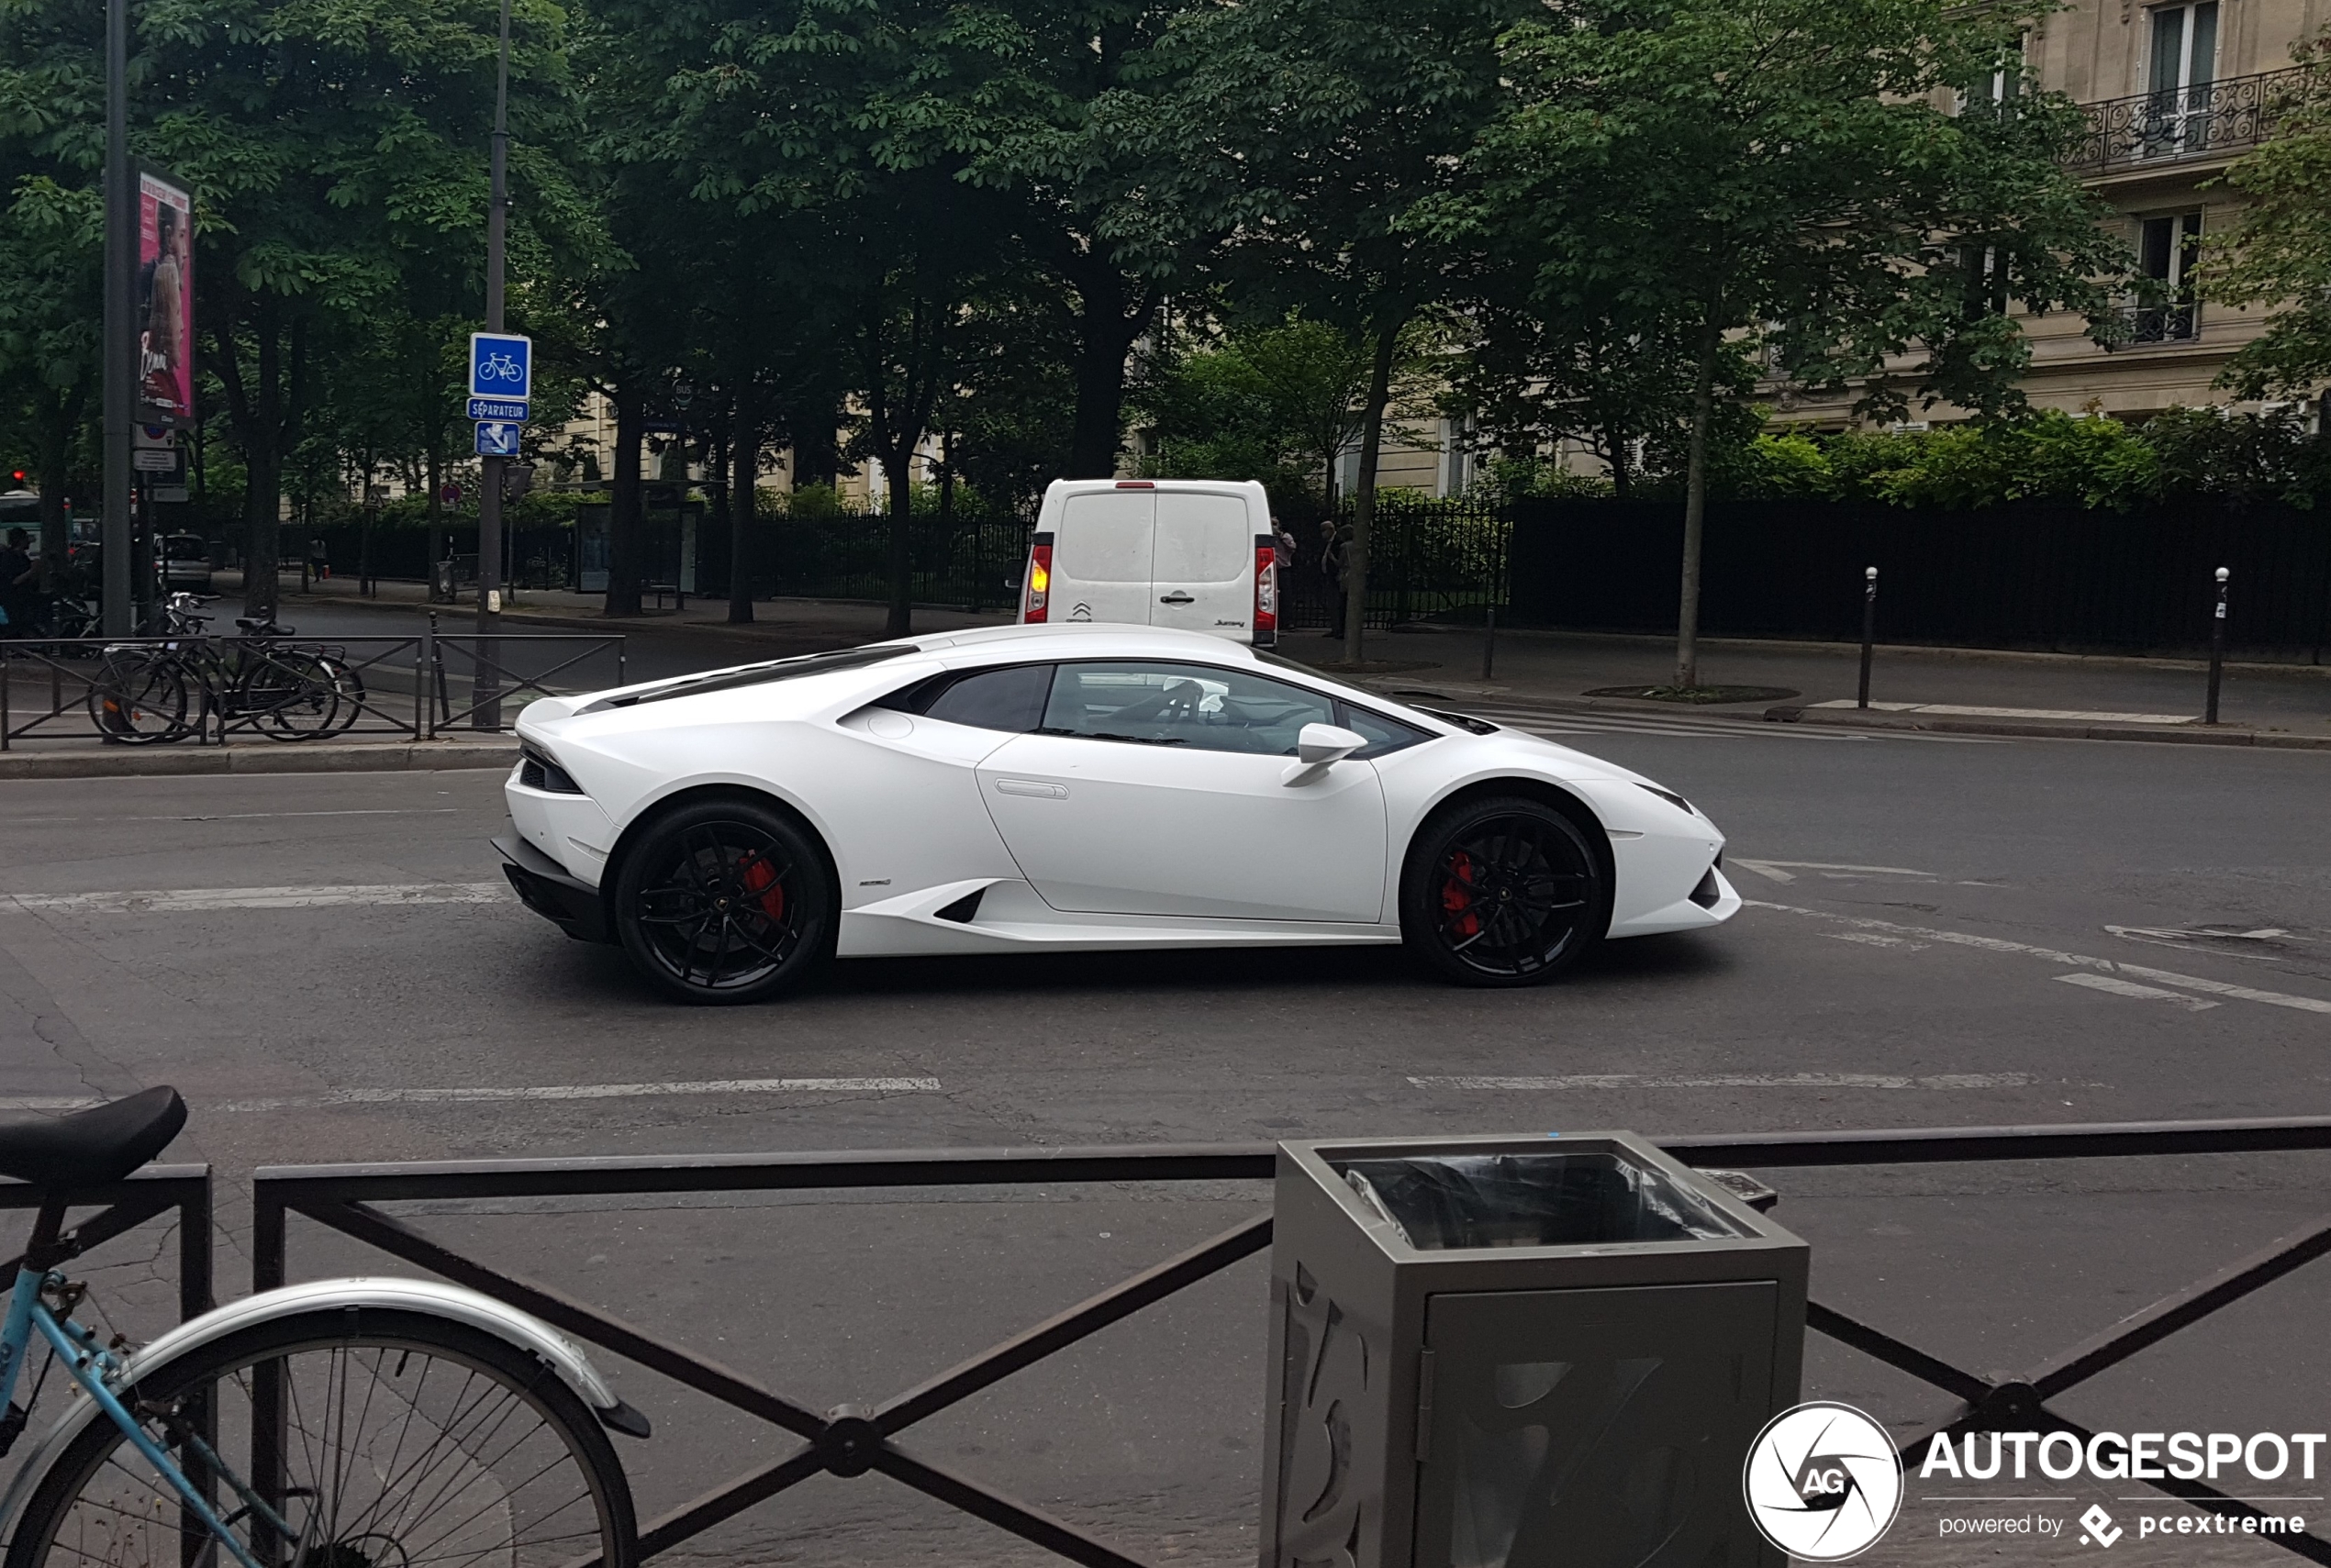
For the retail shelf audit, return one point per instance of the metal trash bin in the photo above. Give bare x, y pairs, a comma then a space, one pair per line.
1520, 1352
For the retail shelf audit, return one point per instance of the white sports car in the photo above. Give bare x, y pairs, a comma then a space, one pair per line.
1079, 786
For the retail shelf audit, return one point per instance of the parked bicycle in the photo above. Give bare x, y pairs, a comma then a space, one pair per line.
352, 1423
142, 692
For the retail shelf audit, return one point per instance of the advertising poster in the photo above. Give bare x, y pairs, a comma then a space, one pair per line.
165, 302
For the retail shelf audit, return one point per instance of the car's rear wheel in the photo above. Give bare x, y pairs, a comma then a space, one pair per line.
1502, 891
725, 900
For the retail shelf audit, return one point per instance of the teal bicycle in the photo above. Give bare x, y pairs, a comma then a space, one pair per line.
366, 1423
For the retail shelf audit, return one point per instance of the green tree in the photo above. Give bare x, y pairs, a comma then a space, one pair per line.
2278, 254
1797, 181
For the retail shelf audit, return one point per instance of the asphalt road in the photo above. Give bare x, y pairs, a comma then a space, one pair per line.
1914, 957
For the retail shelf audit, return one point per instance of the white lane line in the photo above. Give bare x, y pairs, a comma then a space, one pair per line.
2115, 985
1871, 939
48, 1103
1732, 1081
175, 900
1786, 871
472, 1097
2055, 955
269, 816
1956, 711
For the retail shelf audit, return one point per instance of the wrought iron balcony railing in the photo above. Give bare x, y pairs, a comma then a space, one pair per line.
2145, 324
2216, 119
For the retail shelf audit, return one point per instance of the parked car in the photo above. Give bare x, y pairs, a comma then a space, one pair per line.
1191, 554
185, 563
1085, 787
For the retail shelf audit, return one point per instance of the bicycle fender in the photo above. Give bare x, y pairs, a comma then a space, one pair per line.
426, 1297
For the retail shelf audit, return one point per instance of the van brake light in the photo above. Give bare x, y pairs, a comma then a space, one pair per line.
1265, 592
1040, 581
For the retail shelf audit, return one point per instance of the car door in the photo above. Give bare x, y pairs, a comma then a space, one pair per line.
1203, 563
1101, 557
1157, 787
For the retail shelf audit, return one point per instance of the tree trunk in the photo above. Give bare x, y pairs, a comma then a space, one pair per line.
1379, 392
1623, 476
1695, 507
434, 459
898, 473
61, 424
1106, 329
624, 520
745, 460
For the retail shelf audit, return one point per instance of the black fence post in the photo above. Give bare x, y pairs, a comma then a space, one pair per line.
2217, 647
1868, 628
1490, 642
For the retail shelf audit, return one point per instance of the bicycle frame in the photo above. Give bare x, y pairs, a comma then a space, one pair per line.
92, 1366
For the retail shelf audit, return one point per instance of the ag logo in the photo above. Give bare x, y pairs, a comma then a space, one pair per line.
1822, 1482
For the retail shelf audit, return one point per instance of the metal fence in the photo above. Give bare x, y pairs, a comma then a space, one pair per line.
409, 687
852, 1440
2209, 119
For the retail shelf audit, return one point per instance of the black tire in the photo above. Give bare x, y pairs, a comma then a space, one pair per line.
293, 689
1502, 891
725, 899
138, 698
518, 1471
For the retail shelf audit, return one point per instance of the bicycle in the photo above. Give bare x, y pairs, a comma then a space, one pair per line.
141, 693
352, 1423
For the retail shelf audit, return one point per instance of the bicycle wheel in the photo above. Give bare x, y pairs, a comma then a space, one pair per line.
347, 686
407, 1441
292, 690
138, 698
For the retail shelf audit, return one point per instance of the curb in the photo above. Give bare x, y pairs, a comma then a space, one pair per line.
2223, 735
128, 763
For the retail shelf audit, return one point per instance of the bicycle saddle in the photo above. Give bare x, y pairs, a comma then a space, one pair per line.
90, 1148
269, 626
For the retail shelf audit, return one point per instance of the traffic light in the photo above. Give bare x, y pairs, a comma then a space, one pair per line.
18, 476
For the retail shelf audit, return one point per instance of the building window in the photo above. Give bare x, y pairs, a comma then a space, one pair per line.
2184, 66
2167, 249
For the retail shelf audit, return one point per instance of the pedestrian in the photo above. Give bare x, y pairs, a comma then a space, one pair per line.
1283, 547
319, 565
1334, 551
19, 585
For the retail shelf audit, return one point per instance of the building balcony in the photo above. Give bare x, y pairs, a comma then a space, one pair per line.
2217, 120
2146, 325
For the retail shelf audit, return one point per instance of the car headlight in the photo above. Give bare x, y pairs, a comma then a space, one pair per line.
1671, 797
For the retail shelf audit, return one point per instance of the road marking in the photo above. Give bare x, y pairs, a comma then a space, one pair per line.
1952, 710
2055, 955
1733, 1081
1551, 724
2118, 987
468, 1096
175, 900
1786, 871
48, 1103
264, 816
1871, 939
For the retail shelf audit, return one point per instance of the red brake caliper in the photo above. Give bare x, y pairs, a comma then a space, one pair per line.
1457, 896
760, 878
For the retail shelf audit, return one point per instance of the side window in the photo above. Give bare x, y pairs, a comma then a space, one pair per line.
1010, 699
1195, 705
1383, 734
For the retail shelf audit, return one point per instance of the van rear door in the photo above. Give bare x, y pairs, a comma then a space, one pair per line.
1203, 569
1101, 557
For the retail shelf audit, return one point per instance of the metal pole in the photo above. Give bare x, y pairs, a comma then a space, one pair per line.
2217, 647
1489, 644
1868, 628
486, 709
120, 381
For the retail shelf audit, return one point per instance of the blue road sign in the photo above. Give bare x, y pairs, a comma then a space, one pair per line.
501, 365
497, 438
499, 408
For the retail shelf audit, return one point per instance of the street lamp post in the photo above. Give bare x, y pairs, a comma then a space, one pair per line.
486, 701
119, 383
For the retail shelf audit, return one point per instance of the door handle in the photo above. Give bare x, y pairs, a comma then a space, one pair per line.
1175, 597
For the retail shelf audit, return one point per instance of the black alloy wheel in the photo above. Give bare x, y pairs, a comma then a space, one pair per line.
725, 900
1502, 891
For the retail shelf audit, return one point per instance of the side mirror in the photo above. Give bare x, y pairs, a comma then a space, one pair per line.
1318, 747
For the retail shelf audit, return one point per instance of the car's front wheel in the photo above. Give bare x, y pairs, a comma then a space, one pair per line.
1502, 891
725, 900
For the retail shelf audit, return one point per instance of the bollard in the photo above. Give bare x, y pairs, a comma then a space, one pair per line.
1490, 645
2217, 647
1868, 628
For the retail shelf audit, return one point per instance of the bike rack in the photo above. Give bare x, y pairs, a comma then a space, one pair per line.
850, 1441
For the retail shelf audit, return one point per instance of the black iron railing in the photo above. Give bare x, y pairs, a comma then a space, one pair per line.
2144, 324
2214, 119
850, 1441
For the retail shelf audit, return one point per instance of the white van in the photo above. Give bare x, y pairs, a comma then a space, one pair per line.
1193, 554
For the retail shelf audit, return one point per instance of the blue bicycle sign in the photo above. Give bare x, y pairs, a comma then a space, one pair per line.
501, 366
